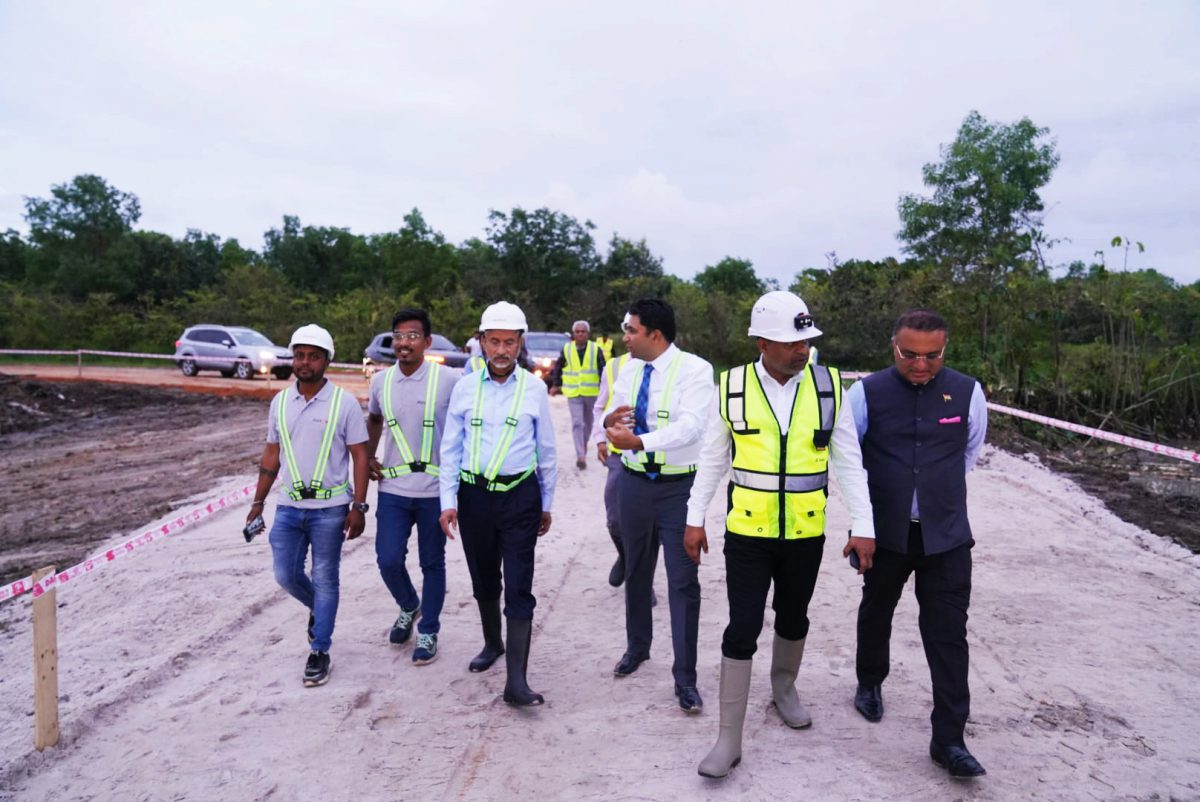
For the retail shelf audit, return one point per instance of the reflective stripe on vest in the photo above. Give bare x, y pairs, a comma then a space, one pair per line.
611, 371
581, 378
606, 346
644, 461
506, 437
779, 481
425, 464
314, 489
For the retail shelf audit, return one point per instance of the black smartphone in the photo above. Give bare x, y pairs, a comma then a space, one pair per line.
253, 528
853, 555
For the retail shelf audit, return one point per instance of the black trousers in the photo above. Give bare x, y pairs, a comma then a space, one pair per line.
650, 512
751, 565
943, 588
499, 534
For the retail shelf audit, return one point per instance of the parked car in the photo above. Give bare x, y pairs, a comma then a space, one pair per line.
380, 354
544, 347
232, 350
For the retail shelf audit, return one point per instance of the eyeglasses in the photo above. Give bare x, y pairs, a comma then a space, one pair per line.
909, 356
407, 336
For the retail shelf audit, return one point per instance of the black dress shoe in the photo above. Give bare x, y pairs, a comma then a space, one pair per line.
617, 575
629, 663
868, 700
689, 698
956, 760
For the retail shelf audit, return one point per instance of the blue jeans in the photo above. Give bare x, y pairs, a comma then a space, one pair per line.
394, 518
292, 533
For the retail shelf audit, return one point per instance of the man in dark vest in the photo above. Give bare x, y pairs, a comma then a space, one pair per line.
921, 427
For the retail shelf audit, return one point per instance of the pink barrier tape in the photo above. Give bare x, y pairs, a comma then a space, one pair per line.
1131, 442
98, 561
36, 352
124, 353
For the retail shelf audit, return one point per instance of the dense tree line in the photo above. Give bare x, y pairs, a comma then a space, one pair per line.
1095, 342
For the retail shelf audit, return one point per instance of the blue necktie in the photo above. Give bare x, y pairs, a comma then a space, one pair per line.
641, 408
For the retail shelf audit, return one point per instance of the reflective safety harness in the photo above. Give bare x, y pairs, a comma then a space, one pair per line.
503, 445
476, 363
314, 489
611, 371
425, 464
779, 480
581, 377
652, 461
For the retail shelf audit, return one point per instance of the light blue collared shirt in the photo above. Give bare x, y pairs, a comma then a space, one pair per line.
977, 418
533, 438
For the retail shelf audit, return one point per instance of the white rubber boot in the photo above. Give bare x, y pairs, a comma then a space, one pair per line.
735, 689
785, 665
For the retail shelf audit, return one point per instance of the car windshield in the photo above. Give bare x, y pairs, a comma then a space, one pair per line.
441, 343
546, 341
250, 337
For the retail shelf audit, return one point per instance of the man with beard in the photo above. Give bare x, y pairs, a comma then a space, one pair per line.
663, 395
779, 423
411, 398
498, 472
318, 428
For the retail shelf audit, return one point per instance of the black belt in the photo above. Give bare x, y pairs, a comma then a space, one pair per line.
480, 481
662, 477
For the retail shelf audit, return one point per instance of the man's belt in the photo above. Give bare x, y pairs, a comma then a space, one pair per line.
501, 484
659, 478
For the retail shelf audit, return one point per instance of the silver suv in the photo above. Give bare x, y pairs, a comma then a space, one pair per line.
232, 350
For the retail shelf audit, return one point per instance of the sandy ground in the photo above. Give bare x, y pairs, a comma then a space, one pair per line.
180, 675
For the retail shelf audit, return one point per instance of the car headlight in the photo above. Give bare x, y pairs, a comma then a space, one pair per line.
435, 358
545, 361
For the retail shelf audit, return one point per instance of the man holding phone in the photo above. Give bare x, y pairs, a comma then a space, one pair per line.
778, 422
318, 428
921, 426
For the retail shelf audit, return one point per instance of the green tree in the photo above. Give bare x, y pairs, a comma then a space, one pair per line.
731, 276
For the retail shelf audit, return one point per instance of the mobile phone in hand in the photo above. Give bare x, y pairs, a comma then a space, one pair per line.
853, 554
253, 528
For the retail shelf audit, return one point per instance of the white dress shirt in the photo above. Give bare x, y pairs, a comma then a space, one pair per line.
845, 454
691, 396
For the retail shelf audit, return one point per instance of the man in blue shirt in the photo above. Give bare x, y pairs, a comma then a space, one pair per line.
921, 426
498, 469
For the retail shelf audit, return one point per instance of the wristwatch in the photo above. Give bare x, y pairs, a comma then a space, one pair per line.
360, 506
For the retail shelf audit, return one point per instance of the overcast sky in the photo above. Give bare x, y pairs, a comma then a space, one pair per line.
776, 132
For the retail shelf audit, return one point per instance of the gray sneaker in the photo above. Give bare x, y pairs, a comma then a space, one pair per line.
403, 628
426, 651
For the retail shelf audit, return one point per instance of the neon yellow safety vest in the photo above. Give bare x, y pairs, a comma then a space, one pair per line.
606, 346
520, 375
779, 481
425, 464
652, 461
581, 378
611, 371
314, 489
476, 363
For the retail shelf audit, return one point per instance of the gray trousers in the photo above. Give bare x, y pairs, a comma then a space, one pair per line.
581, 422
612, 500
651, 511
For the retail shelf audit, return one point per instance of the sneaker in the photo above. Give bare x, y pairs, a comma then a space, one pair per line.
317, 669
403, 628
312, 622
426, 651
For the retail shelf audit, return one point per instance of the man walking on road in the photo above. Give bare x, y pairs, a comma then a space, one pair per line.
577, 372
664, 395
779, 423
319, 429
921, 425
497, 483
410, 398
610, 457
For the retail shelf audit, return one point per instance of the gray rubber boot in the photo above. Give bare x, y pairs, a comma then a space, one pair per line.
735, 689
785, 664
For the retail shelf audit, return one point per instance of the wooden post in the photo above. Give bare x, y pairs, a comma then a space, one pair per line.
79, 362
45, 666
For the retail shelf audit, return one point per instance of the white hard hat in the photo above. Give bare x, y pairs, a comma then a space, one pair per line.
312, 334
782, 317
503, 315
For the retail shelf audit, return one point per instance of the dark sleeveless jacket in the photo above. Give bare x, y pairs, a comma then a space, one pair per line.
916, 439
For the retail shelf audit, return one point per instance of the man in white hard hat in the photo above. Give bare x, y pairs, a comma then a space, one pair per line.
779, 423
663, 394
497, 480
318, 428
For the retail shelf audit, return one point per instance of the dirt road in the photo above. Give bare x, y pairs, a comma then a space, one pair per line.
180, 675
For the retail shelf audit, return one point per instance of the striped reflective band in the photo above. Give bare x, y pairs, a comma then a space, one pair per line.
769, 482
314, 488
427, 426
506, 437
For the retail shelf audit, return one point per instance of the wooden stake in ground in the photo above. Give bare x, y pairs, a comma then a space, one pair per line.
45, 666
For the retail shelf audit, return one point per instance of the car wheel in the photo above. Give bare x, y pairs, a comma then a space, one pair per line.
243, 370
283, 373
188, 367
